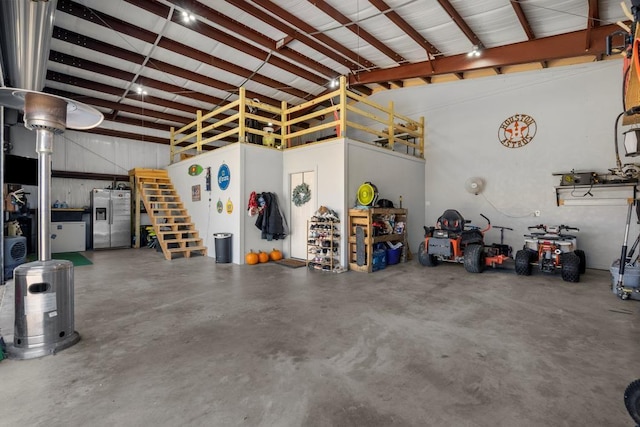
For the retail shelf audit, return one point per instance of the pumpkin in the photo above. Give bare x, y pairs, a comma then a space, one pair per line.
275, 255
251, 258
263, 256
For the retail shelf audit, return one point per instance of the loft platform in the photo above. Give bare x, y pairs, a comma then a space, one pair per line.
285, 127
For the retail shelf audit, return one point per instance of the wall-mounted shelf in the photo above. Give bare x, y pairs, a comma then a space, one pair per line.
614, 194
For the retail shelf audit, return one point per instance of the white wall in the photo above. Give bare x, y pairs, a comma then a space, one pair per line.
262, 170
575, 108
204, 214
327, 159
85, 152
394, 175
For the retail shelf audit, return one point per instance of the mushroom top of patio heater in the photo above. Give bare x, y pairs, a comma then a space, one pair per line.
79, 116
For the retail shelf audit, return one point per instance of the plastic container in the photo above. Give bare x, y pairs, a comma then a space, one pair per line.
223, 247
379, 259
630, 280
393, 256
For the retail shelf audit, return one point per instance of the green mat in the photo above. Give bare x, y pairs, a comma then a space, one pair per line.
75, 257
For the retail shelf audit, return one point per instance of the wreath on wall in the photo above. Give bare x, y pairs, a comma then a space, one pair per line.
301, 194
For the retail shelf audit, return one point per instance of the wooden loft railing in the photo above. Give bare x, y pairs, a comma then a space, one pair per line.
353, 116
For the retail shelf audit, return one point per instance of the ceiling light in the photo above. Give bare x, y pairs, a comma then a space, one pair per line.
187, 16
141, 91
333, 83
475, 51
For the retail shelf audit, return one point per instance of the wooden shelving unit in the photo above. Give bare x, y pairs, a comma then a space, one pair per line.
366, 218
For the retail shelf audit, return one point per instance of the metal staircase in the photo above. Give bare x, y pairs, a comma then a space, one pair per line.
171, 222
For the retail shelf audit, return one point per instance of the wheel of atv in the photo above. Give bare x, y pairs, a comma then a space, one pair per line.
424, 257
583, 260
632, 400
570, 267
524, 258
474, 258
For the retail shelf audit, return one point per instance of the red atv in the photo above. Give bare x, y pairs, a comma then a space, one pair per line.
453, 240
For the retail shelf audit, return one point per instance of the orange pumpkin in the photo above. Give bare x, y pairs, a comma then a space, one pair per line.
275, 255
251, 258
263, 256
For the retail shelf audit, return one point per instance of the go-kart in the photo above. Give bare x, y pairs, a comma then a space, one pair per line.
551, 250
453, 239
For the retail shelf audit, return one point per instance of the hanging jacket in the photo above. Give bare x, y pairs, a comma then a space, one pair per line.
270, 220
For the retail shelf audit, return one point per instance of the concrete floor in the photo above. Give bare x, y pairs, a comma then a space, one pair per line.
191, 342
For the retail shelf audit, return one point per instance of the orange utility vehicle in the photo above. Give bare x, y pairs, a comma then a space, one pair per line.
454, 240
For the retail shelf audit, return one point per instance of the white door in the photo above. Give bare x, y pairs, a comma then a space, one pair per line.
301, 214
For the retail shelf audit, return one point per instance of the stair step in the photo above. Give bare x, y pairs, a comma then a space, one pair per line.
188, 248
186, 251
179, 204
156, 186
171, 221
174, 226
168, 212
158, 191
183, 240
195, 233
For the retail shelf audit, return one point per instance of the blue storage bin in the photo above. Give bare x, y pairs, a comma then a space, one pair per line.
393, 255
379, 259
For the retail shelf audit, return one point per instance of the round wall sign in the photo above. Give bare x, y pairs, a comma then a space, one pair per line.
224, 176
195, 170
517, 131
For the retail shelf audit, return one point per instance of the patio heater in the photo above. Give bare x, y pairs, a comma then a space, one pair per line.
44, 291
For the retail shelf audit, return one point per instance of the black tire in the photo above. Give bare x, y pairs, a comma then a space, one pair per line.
632, 400
583, 260
474, 258
570, 267
524, 258
424, 257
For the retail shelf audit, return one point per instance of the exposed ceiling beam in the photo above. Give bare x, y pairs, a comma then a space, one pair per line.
89, 43
117, 91
88, 175
293, 33
364, 90
357, 30
129, 135
593, 20
524, 22
139, 122
313, 32
102, 103
80, 11
393, 16
555, 47
268, 44
140, 137
460, 22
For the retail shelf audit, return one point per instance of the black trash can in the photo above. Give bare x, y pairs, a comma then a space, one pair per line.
223, 247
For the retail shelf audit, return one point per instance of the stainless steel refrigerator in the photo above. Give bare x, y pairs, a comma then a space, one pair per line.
111, 218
